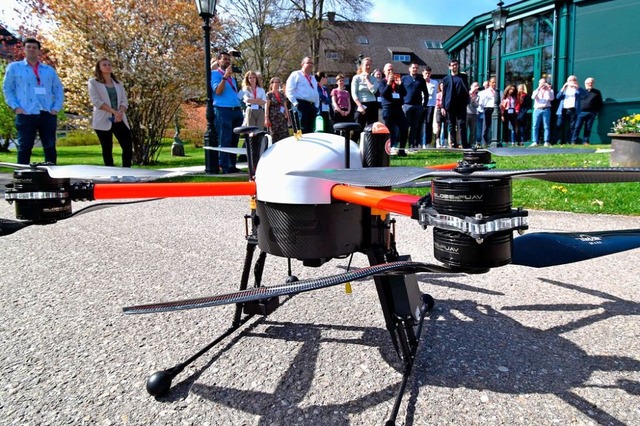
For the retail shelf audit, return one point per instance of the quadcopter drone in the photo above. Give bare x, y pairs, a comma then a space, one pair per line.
318, 197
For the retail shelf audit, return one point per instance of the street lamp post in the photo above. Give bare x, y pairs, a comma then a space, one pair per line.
206, 10
499, 17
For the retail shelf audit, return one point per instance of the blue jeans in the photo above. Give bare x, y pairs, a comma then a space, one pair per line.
586, 118
225, 120
44, 124
479, 127
566, 114
545, 116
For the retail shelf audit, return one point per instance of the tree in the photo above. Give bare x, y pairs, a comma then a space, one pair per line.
155, 47
7, 117
314, 13
261, 31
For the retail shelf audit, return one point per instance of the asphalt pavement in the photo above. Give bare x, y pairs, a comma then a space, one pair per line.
514, 346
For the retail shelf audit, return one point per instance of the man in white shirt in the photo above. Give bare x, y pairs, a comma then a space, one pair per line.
432, 89
486, 102
302, 92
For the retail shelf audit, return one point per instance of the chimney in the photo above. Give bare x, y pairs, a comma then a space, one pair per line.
331, 16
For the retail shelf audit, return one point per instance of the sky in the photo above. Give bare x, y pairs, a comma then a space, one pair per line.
433, 12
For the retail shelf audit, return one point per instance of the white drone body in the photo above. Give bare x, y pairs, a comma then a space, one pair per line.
313, 151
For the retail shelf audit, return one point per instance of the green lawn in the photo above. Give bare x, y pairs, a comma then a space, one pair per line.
620, 198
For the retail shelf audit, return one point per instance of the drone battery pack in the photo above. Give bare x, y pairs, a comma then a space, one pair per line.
261, 307
405, 293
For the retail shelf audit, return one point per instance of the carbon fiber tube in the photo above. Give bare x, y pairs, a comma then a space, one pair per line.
261, 293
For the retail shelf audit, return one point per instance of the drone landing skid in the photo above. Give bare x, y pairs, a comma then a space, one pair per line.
403, 305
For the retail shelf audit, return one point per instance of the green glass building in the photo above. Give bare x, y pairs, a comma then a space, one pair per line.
555, 39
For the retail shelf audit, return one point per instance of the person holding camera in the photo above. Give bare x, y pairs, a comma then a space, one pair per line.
569, 96
302, 92
393, 92
110, 104
542, 98
227, 111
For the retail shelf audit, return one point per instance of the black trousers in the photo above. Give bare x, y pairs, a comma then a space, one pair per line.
457, 119
123, 135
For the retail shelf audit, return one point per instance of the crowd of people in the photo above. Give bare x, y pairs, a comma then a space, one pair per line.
421, 111
418, 110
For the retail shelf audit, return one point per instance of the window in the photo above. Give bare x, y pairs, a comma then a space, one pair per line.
433, 44
363, 40
333, 55
400, 57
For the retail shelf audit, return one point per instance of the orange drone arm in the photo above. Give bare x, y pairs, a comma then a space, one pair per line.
449, 166
110, 191
374, 198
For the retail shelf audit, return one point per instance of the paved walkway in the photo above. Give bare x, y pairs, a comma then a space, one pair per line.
515, 346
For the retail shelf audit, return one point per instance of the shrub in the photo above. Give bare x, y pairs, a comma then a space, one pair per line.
79, 138
194, 122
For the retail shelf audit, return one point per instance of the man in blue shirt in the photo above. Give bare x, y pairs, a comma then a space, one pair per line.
227, 110
34, 92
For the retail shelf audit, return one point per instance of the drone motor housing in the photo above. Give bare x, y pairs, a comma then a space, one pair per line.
472, 198
38, 197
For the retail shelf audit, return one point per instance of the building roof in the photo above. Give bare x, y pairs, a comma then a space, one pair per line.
380, 41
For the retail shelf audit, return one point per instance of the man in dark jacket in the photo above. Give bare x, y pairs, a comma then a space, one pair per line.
590, 106
414, 102
455, 97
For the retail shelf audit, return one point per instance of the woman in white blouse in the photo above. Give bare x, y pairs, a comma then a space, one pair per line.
254, 98
110, 104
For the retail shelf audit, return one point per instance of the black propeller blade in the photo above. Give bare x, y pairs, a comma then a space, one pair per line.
98, 173
8, 226
543, 249
517, 152
396, 176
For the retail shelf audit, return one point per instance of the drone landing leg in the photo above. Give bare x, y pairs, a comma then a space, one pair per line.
403, 307
160, 381
406, 329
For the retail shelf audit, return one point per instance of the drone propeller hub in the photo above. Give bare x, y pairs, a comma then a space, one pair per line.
38, 197
475, 156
